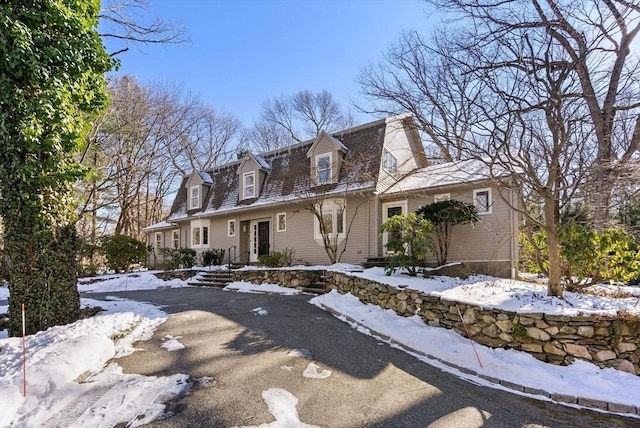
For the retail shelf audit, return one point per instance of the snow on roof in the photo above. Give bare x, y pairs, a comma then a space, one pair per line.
262, 162
206, 177
445, 174
159, 226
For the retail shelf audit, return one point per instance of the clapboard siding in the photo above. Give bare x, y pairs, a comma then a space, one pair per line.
489, 239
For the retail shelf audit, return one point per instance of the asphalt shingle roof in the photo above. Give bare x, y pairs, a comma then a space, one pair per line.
288, 176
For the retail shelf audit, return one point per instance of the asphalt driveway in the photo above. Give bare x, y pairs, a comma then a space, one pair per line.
239, 351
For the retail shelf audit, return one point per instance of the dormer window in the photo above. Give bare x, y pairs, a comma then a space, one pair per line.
323, 168
389, 162
195, 197
249, 185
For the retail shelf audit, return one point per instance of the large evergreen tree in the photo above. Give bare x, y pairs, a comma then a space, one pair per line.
51, 81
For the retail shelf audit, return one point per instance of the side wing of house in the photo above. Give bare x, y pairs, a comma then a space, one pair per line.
161, 235
489, 245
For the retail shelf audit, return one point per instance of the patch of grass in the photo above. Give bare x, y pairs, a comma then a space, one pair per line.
519, 331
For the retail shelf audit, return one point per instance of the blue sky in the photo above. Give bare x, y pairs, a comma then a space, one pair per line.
243, 52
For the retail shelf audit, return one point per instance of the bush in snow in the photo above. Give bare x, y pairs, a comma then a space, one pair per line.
444, 215
122, 252
408, 242
213, 257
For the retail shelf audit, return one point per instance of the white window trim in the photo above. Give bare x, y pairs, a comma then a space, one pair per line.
201, 224
393, 170
245, 187
489, 200
191, 198
157, 243
175, 238
278, 215
331, 207
231, 233
441, 197
324, 155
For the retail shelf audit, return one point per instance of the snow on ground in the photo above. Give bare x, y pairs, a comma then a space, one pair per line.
312, 372
133, 281
516, 296
580, 379
61, 355
282, 405
171, 343
260, 311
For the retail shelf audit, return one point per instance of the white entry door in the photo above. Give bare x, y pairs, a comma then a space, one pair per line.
390, 209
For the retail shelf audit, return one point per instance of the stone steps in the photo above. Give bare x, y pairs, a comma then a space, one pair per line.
318, 287
375, 262
215, 278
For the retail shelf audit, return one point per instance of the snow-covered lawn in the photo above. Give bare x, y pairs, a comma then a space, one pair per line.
517, 296
62, 355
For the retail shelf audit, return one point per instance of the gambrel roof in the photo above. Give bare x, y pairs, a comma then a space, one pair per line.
288, 177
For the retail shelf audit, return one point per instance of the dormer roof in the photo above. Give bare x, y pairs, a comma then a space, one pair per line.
206, 177
325, 136
262, 162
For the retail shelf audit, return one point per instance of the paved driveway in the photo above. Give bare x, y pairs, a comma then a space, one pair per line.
245, 352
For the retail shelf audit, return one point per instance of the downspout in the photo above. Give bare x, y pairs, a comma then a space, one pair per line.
514, 236
369, 231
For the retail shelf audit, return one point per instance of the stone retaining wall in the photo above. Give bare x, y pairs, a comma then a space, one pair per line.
604, 341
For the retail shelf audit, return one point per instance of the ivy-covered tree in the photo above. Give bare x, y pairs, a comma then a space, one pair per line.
409, 241
51, 82
444, 215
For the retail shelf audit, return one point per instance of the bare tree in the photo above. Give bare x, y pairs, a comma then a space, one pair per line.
148, 136
330, 213
197, 136
265, 136
335, 206
519, 71
297, 118
595, 38
422, 76
126, 22
536, 128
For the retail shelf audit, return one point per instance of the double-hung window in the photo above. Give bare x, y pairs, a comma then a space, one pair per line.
194, 201
176, 239
332, 221
389, 162
323, 168
249, 185
199, 233
158, 243
281, 222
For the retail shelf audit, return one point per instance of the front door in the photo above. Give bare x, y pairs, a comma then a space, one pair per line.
391, 209
263, 238
259, 239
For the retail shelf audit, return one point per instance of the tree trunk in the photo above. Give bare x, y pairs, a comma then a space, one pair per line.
42, 275
555, 286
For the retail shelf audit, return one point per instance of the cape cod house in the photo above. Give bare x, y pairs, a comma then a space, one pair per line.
355, 179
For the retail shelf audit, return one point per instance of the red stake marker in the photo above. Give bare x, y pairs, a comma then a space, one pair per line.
24, 355
468, 335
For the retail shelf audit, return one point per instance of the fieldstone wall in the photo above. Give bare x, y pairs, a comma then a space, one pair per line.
291, 278
604, 341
